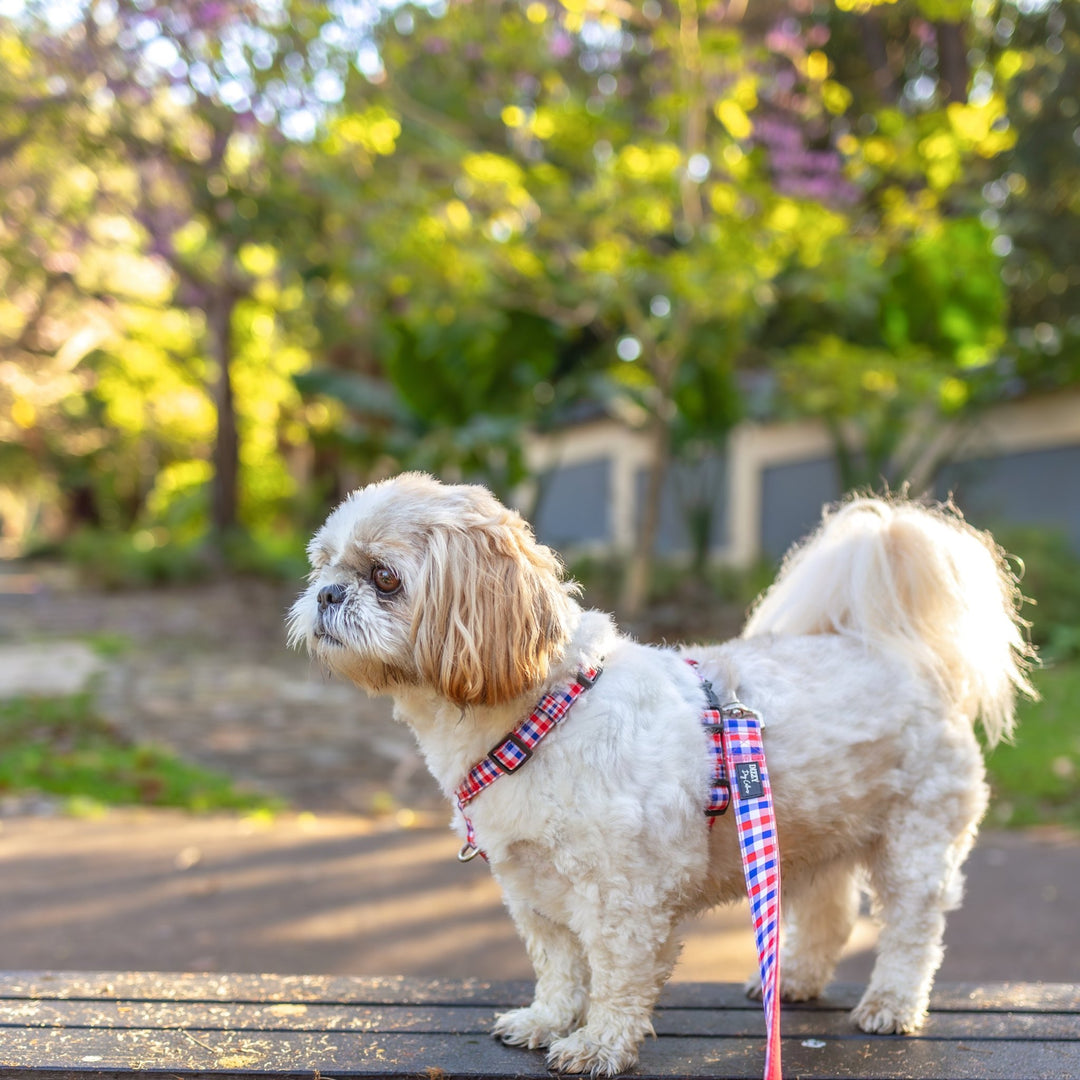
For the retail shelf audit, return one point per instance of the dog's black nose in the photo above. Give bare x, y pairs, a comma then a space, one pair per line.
330, 594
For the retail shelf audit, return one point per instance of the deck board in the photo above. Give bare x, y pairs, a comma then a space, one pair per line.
119, 1025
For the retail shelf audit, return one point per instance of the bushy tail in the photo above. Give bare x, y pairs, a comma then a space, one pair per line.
912, 580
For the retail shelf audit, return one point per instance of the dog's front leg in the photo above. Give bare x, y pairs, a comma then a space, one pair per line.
561, 995
630, 957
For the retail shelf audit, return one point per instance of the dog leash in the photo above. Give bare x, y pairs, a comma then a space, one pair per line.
738, 754
516, 747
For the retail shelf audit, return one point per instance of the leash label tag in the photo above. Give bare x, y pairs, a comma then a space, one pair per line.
748, 778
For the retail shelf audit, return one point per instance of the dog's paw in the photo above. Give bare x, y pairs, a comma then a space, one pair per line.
791, 988
533, 1028
803, 982
581, 1053
885, 1014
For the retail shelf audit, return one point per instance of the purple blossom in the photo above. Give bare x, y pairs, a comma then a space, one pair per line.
561, 45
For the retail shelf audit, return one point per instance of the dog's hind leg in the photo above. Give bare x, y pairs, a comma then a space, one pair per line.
819, 913
916, 875
820, 909
561, 996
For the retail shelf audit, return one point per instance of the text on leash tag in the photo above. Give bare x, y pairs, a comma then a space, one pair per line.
748, 778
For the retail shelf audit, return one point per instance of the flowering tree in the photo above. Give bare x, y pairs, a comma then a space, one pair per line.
147, 140
250, 239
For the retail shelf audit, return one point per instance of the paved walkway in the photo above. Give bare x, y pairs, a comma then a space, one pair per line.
363, 879
204, 670
349, 895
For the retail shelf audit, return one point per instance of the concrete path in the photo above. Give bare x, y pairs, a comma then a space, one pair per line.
364, 880
345, 895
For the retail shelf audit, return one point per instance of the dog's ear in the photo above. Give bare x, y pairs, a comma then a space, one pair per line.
490, 611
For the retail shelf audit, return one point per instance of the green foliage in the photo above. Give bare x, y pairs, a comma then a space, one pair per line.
111, 560
1034, 779
1050, 578
60, 746
713, 600
279, 556
108, 644
121, 560
408, 242
1036, 194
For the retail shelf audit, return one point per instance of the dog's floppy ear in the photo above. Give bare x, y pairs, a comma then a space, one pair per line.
491, 610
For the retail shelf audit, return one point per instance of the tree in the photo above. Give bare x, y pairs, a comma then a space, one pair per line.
1033, 200
168, 113
898, 327
355, 240
590, 170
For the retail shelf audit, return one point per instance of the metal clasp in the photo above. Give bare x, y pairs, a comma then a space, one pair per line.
467, 853
586, 680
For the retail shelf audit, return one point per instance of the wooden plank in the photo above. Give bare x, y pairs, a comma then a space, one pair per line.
101, 1026
345, 1055
184, 986
312, 989
478, 1020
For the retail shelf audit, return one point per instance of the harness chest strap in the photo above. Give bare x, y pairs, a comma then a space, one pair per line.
516, 747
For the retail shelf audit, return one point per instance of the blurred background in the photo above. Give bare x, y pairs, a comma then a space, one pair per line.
666, 275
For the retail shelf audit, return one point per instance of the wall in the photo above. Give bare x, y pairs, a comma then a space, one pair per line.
1020, 465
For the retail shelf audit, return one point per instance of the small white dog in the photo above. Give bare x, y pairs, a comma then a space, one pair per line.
885, 635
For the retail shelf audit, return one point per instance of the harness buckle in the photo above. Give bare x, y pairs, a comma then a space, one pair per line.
710, 695
519, 745
719, 811
586, 680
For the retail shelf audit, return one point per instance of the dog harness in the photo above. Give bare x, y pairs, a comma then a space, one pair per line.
516, 747
737, 755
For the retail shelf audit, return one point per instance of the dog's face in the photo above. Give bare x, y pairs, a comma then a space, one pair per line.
420, 584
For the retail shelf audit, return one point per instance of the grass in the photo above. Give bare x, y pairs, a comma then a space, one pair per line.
59, 746
1034, 779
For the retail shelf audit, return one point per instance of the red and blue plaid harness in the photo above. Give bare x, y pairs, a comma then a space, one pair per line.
737, 753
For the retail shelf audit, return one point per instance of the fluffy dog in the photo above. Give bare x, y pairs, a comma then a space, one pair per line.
886, 634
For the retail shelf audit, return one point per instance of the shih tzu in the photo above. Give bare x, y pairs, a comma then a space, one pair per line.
885, 636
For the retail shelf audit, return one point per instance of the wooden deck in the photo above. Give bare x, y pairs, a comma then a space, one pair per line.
112, 1025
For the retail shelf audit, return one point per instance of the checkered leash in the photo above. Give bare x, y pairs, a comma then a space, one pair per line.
516, 747
738, 754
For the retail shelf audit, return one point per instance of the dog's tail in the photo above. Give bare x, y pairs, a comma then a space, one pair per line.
915, 580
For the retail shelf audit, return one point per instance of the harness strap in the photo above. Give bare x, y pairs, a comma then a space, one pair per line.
516, 747
741, 759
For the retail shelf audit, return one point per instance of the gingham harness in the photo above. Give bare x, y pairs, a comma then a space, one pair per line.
736, 752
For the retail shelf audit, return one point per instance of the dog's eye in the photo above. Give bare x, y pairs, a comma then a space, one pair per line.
385, 580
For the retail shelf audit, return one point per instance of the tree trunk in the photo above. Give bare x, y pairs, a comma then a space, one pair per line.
639, 568
226, 461
877, 56
952, 61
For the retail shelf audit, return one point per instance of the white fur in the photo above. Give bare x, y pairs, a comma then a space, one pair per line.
883, 638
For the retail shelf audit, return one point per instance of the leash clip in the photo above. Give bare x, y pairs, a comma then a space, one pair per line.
467, 853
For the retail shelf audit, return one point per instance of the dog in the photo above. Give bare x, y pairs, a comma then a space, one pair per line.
886, 634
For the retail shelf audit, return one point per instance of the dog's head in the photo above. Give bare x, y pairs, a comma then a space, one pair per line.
415, 583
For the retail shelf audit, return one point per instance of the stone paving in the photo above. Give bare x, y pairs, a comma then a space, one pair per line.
205, 671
